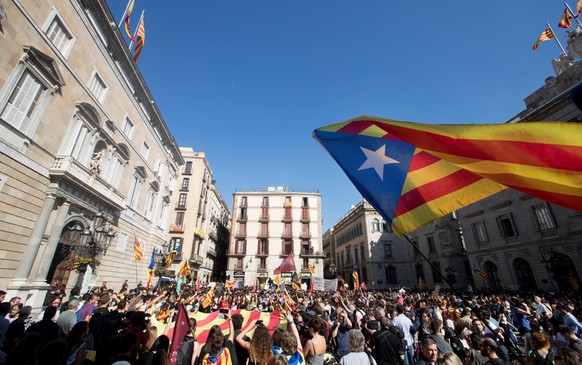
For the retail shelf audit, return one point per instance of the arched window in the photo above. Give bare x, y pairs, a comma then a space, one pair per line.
375, 225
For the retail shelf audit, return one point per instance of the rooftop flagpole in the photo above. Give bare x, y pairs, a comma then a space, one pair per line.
124, 14
573, 15
556, 38
137, 29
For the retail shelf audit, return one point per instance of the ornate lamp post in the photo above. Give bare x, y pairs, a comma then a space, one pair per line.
451, 274
547, 259
98, 236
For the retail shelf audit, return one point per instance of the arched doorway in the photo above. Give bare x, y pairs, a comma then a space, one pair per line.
492, 275
563, 270
60, 265
524, 274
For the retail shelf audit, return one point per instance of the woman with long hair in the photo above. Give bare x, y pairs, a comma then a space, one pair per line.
260, 346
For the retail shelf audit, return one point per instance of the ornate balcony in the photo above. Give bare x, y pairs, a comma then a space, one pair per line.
73, 172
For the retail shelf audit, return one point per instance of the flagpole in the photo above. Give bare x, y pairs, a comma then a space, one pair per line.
572, 13
124, 14
137, 29
136, 281
556, 38
434, 268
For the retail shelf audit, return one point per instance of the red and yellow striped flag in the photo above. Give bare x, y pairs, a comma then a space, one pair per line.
311, 269
140, 39
208, 299
579, 7
565, 21
184, 269
435, 169
126, 22
204, 321
137, 249
277, 280
545, 36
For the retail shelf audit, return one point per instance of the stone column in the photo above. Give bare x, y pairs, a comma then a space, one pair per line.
25, 265
52, 244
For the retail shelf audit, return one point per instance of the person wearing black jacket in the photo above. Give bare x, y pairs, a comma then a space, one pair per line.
385, 346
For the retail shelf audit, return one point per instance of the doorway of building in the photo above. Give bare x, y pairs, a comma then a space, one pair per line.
524, 274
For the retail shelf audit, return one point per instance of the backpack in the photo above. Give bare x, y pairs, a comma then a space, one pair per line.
184, 355
537, 359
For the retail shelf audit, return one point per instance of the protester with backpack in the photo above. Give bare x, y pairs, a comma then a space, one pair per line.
543, 355
189, 349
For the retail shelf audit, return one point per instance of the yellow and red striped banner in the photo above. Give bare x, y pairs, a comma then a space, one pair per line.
204, 321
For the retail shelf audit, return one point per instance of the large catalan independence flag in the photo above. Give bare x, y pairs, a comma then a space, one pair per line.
415, 173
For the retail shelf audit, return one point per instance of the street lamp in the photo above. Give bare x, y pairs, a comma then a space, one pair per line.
451, 274
98, 236
547, 260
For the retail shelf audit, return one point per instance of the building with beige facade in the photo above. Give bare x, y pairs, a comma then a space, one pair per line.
87, 163
198, 220
268, 225
385, 261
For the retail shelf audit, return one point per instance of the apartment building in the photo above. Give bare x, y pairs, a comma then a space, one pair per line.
198, 220
268, 225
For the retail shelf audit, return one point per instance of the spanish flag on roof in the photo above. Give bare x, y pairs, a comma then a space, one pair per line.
414, 173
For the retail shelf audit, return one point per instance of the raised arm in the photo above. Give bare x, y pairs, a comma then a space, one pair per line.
294, 330
240, 338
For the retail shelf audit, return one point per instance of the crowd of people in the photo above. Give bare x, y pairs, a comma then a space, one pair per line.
104, 326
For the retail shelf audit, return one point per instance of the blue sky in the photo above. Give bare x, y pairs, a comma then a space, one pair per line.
247, 81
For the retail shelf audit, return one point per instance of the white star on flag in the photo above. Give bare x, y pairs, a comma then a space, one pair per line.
376, 160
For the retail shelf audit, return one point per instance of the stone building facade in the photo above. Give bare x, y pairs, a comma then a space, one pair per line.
385, 261
87, 163
267, 226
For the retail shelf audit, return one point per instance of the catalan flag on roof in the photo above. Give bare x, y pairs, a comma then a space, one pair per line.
545, 36
140, 38
128, 11
414, 173
565, 21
